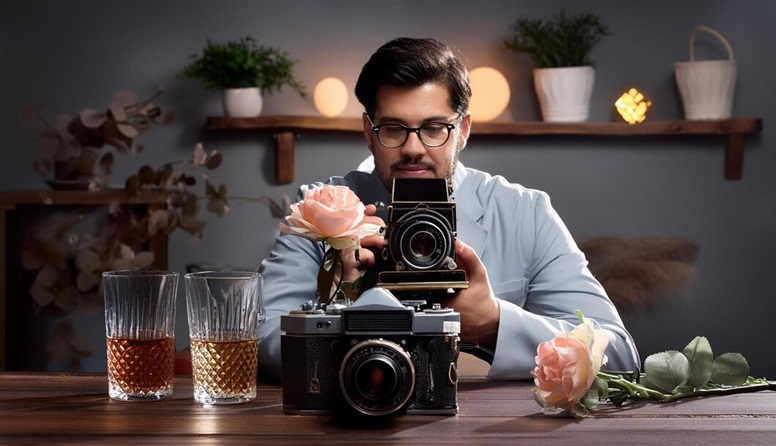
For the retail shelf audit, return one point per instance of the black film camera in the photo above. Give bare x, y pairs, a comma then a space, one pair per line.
376, 357
419, 259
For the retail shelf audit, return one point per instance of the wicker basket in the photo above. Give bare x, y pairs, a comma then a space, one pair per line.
706, 87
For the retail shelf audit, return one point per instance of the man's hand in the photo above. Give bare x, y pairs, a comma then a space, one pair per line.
356, 261
477, 304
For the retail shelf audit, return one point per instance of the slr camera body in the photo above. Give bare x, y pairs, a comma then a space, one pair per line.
375, 357
419, 259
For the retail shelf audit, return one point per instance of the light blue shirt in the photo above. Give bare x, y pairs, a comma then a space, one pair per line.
535, 268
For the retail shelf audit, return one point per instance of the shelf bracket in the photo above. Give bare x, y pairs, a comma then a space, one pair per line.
284, 157
734, 156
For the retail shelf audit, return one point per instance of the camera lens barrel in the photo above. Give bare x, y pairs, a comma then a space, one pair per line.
422, 240
377, 377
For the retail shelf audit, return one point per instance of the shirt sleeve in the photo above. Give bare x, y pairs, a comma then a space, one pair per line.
290, 278
558, 283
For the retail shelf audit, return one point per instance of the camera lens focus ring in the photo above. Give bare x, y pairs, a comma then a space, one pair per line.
422, 240
377, 377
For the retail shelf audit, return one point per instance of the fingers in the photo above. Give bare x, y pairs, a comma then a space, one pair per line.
375, 220
358, 259
351, 265
369, 214
469, 261
355, 262
477, 304
373, 241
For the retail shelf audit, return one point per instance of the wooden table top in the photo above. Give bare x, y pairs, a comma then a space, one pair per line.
75, 409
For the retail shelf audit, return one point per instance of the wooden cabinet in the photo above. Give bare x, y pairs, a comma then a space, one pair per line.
49, 220
732, 131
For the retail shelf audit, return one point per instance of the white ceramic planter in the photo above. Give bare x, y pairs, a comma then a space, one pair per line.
564, 93
242, 102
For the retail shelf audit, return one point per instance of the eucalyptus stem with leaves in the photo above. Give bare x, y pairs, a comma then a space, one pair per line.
570, 380
673, 375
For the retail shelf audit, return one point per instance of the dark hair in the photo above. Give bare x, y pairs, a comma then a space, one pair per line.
409, 62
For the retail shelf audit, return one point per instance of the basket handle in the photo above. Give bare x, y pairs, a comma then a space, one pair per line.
716, 34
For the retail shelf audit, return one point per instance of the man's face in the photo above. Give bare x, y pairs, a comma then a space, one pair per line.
412, 108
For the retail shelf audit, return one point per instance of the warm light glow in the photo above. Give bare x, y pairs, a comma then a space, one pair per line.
632, 106
330, 97
490, 93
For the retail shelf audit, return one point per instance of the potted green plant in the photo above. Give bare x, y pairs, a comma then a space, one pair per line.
560, 48
244, 70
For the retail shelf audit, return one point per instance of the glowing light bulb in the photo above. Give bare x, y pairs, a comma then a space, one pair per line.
490, 94
632, 106
330, 97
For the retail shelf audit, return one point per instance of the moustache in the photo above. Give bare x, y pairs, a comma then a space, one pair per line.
414, 165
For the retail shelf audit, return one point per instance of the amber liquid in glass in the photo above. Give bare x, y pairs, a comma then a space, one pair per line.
140, 368
224, 371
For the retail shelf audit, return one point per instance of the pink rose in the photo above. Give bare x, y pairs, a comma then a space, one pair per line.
567, 365
331, 213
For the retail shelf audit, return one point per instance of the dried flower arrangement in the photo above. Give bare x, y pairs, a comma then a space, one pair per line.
72, 146
67, 261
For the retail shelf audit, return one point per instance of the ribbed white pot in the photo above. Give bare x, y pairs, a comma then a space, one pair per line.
564, 93
707, 86
242, 102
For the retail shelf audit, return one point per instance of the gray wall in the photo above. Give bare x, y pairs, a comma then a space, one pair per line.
74, 54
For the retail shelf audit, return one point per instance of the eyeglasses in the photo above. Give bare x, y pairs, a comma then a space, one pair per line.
431, 134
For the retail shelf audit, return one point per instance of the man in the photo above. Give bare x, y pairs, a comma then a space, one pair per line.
526, 274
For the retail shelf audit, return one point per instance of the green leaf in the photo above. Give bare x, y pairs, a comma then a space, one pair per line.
591, 398
667, 370
330, 259
327, 274
686, 389
644, 381
617, 397
602, 387
698, 352
730, 369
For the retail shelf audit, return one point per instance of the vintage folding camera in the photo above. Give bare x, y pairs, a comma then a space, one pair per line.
376, 357
419, 259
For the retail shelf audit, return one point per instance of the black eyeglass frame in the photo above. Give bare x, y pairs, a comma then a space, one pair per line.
416, 130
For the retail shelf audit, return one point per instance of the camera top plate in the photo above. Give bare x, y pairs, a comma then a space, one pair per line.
420, 189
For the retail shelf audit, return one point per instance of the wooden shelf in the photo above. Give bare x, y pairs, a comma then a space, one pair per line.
285, 127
